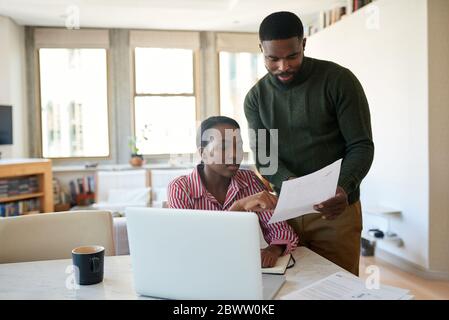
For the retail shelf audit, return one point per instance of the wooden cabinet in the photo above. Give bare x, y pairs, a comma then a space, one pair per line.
38, 170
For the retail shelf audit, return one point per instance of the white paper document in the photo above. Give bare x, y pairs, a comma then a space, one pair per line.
298, 196
344, 286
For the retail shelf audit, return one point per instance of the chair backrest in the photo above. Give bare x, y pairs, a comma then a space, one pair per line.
52, 236
123, 179
160, 179
135, 196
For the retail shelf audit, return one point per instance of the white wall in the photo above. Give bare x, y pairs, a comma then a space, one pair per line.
385, 45
13, 85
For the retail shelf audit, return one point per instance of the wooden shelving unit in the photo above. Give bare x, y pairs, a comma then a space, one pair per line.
22, 197
41, 168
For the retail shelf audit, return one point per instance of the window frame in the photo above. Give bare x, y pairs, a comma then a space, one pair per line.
38, 102
246, 154
234, 42
196, 85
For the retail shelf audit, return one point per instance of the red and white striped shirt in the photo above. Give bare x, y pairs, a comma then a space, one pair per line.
188, 192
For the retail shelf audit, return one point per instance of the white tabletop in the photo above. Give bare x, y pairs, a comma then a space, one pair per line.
52, 279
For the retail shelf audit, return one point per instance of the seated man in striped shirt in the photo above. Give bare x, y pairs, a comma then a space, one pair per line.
218, 184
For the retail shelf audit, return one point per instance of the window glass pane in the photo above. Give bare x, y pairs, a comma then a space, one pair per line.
74, 106
168, 123
238, 73
164, 70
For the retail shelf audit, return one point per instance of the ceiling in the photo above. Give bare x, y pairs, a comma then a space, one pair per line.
209, 15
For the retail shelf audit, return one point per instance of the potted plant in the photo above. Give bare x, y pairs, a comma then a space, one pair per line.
136, 157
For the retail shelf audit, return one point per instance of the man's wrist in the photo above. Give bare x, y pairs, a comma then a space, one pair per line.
342, 189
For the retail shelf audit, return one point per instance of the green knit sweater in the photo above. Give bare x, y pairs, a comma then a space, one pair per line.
322, 116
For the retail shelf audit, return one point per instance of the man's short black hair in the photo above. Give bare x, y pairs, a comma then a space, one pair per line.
210, 123
281, 25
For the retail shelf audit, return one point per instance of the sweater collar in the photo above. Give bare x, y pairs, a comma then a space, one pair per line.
301, 76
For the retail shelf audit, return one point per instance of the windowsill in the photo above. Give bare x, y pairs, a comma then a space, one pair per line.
117, 167
120, 167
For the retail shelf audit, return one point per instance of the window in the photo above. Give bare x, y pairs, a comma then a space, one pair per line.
165, 101
74, 103
239, 71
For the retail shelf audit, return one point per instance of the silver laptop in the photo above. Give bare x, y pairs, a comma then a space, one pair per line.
197, 254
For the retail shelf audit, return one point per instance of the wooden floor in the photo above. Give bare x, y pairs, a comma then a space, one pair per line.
422, 289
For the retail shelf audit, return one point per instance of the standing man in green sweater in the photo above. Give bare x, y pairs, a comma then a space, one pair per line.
321, 113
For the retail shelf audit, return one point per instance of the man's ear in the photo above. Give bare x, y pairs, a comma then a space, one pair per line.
304, 44
260, 47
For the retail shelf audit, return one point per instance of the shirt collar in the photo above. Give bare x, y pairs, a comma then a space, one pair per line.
195, 180
237, 183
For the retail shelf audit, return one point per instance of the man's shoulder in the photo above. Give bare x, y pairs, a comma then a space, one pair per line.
260, 84
332, 72
328, 66
263, 85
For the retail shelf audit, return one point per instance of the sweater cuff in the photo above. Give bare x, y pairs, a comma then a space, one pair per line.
348, 184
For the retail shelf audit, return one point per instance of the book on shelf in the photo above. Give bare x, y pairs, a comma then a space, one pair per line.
81, 186
59, 195
91, 184
56, 187
357, 4
327, 18
332, 16
17, 208
82, 191
18, 186
73, 192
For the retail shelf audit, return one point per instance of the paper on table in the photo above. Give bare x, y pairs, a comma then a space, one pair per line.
344, 286
298, 196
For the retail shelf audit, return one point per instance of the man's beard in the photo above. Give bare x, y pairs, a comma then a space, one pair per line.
285, 75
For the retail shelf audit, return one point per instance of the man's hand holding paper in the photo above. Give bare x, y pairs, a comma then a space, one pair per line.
315, 192
334, 206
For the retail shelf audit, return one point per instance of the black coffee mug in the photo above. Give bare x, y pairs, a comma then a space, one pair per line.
89, 264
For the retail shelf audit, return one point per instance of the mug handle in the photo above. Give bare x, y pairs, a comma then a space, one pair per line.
95, 264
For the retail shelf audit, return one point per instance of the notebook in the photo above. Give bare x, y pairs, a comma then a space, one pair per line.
282, 263
281, 266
